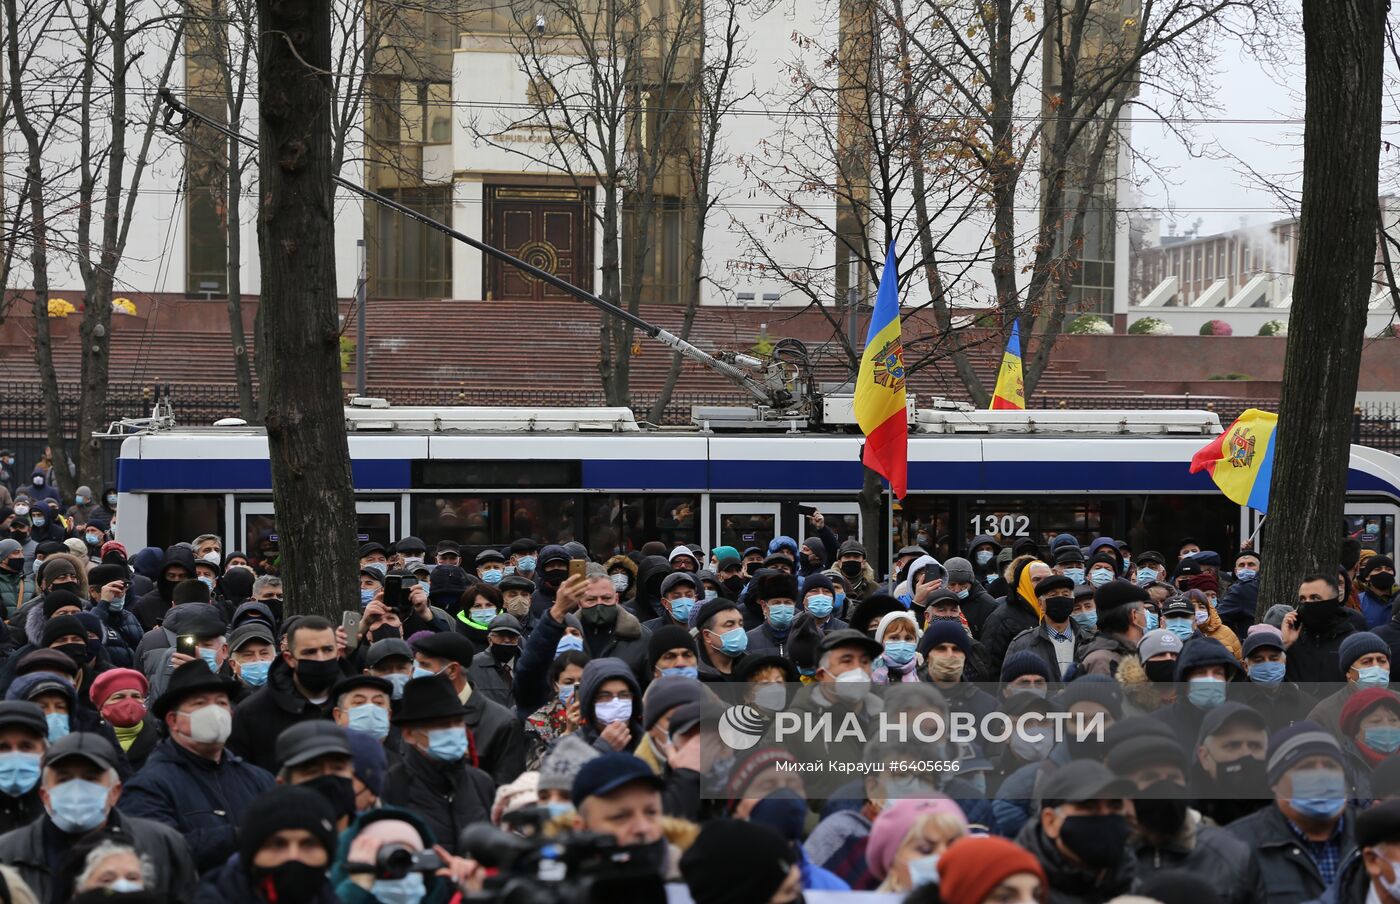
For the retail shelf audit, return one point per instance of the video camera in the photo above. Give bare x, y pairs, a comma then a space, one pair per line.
579, 868
394, 861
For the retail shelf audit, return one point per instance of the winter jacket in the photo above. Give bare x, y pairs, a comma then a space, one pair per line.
175, 874
16, 812
1328, 711
231, 884
646, 599
626, 563
123, 634
763, 640
598, 672
1104, 653
1390, 633
1037, 640
1281, 704
497, 736
1313, 656
1376, 609
977, 607
151, 608
1352, 885
15, 590
487, 678
1006, 621
447, 796
439, 889
1290, 875
626, 640
269, 711
202, 800
531, 688
1215, 629
1236, 607
1068, 883
1208, 852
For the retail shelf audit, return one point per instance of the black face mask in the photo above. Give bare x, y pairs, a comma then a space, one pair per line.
554, 577
12, 566
290, 881
851, 568
1099, 841
385, 632
504, 653
317, 675
1058, 608
338, 790
734, 586
1246, 776
78, 652
1162, 808
1320, 615
1160, 671
21, 535
1382, 581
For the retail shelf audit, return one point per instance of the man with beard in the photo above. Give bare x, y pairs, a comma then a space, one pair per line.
1168, 834
1313, 634
1227, 772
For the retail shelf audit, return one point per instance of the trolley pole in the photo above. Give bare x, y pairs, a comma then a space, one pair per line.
361, 295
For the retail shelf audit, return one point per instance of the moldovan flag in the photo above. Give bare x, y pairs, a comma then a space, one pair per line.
1241, 460
1011, 388
879, 403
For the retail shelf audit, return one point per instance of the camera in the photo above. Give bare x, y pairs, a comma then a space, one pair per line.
580, 868
395, 861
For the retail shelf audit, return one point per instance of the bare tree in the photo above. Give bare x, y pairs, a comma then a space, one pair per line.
1343, 50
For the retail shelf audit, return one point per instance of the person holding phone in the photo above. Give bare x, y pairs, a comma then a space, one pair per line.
109, 586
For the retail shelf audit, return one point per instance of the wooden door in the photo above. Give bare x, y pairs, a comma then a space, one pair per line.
548, 227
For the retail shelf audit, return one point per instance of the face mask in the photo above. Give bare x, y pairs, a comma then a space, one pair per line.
853, 685
1383, 738
620, 581
254, 674
493, 576
317, 675
80, 499
58, 726
526, 564
1031, 751
116, 605
1373, 676
93, 539
1318, 793
771, 696
78, 652
125, 713
19, 773
558, 809
1099, 841
840, 599
1086, 620
379, 568
1246, 574
984, 557
1318, 616
1181, 627
681, 671
484, 614
13, 566
820, 605
711, 594
946, 668
370, 719
733, 642
923, 870
412, 562
566, 693
1146, 576
210, 659
210, 724
338, 791
735, 586
398, 680
36, 520
21, 509
78, 806
1057, 608
569, 643
963, 593
1205, 693
1100, 576
899, 652
601, 616
367, 595
1392, 885
420, 672
111, 499
1266, 672
1151, 621
610, 711
1075, 574
851, 569
290, 881
1160, 671
408, 890
1382, 581
518, 606
681, 607
38, 481
1162, 809
385, 632
504, 652
447, 745
780, 615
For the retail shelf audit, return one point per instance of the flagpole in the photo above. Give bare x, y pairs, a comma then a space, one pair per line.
1252, 536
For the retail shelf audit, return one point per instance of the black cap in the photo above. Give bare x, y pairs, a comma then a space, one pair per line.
383, 649
504, 622
447, 645
448, 546
1150, 556
86, 745
605, 774
1082, 780
426, 699
1379, 824
345, 685
669, 582
489, 555
410, 544
1069, 553
1230, 712
371, 548
516, 582
523, 545
1119, 592
23, 714
850, 637
191, 678
1054, 582
306, 741
250, 630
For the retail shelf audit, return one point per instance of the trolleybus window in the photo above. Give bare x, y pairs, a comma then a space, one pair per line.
620, 524
1375, 532
180, 517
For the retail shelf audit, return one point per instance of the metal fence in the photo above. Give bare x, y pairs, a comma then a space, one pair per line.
1378, 426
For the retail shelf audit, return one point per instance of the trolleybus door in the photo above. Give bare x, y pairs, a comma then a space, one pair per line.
374, 520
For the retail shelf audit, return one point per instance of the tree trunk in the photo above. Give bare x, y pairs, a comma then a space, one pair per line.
1342, 41
242, 366
300, 357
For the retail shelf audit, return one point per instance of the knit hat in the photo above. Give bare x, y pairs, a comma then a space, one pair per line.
517, 795
1362, 702
1372, 563
893, 824
60, 599
889, 620
1022, 663
1290, 746
943, 631
114, 680
285, 807
1118, 592
736, 862
1275, 614
1202, 582
8, 548
973, 866
665, 694
710, 609
669, 637
1358, 644
61, 626
563, 761
58, 566
959, 570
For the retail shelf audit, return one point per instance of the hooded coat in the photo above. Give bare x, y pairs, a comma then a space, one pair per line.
594, 675
624, 562
1009, 619
1208, 852
151, 608
439, 889
646, 598
1290, 875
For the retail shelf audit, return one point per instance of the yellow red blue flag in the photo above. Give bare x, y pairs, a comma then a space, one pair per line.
1011, 386
1241, 460
880, 406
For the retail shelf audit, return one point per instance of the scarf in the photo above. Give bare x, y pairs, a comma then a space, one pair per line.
1026, 590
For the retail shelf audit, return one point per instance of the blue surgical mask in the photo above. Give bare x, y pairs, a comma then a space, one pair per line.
923, 870
1181, 627
1383, 738
254, 674
963, 593
1205, 693
840, 599
1086, 620
398, 680
681, 671
1151, 621
80, 499
984, 557
125, 886
1100, 576
493, 576
447, 745
780, 614
1373, 676
367, 595
711, 594
681, 607
820, 605
207, 581
210, 658
1146, 576
899, 652
1266, 672
734, 641
36, 520
117, 604
566, 692
19, 773
411, 889
382, 568
557, 809
484, 614
1075, 574
58, 726
569, 643
1318, 793
78, 806
526, 563
370, 719
1246, 574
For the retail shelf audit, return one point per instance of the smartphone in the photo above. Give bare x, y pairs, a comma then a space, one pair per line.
185, 645
394, 598
350, 621
808, 510
577, 567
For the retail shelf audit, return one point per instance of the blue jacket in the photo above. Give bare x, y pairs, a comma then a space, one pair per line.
1376, 610
202, 800
531, 685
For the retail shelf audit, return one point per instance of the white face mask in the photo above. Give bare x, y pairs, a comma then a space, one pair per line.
1392, 885
210, 724
852, 685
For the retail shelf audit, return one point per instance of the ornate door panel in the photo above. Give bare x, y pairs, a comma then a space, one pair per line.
548, 227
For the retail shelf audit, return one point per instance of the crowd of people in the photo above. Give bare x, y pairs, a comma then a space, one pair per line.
173, 730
